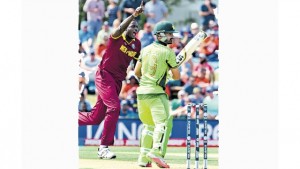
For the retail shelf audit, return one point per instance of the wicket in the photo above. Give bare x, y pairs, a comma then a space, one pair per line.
188, 136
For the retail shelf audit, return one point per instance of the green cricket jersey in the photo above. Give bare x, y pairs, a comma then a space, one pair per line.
156, 61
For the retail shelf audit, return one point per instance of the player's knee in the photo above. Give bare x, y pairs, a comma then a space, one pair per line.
148, 130
115, 107
149, 127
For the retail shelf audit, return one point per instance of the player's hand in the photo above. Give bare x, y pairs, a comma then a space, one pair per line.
139, 10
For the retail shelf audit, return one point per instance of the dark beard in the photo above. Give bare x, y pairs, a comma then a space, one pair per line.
170, 41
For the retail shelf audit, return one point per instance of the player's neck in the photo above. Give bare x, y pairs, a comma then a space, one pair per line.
128, 39
160, 42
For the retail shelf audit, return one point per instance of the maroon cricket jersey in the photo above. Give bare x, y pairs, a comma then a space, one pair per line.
118, 55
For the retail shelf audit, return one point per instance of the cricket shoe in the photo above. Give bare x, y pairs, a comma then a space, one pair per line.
160, 162
143, 161
148, 164
105, 153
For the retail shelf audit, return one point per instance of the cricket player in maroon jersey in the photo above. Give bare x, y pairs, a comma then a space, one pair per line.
122, 47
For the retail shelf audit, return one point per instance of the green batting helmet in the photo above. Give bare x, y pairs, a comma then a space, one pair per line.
164, 27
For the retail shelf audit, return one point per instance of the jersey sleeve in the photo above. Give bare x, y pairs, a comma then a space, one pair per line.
140, 56
171, 61
115, 37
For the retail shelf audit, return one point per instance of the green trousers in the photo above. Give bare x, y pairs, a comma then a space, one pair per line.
154, 112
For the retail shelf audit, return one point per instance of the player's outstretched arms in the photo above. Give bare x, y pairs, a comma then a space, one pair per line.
123, 26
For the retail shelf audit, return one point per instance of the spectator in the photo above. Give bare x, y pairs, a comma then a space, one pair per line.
155, 11
206, 11
105, 31
85, 37
113, 12
194, 29
187, 36
177, 45
82, 83
95, 12
91, 64
204, 64
213, 26
128, 6
84, 104
102, 39
186, 70
209, 46
81, 51
190, 85
198, 95
212, 101
102, 47
132, 99
176, 103
216, 76
82, 71
181, 111
145, 36
132, 83
126, 112
202, 78
116, 24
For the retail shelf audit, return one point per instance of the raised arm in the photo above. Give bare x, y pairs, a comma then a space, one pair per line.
123, 26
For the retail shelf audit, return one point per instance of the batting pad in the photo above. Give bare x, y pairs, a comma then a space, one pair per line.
146, 142
159, 138
146, 137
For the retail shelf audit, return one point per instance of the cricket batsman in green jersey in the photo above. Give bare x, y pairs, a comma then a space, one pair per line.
156, 63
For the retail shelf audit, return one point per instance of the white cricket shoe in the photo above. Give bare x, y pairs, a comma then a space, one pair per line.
105, 153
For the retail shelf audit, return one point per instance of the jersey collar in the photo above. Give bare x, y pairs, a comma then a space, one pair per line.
159, 42
124, 38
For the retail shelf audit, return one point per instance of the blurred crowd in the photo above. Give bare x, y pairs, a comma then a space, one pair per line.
199, 76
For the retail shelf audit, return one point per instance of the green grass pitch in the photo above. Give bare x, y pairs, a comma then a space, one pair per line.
127, 158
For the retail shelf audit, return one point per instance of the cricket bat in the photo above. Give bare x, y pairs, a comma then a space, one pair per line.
186, 53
